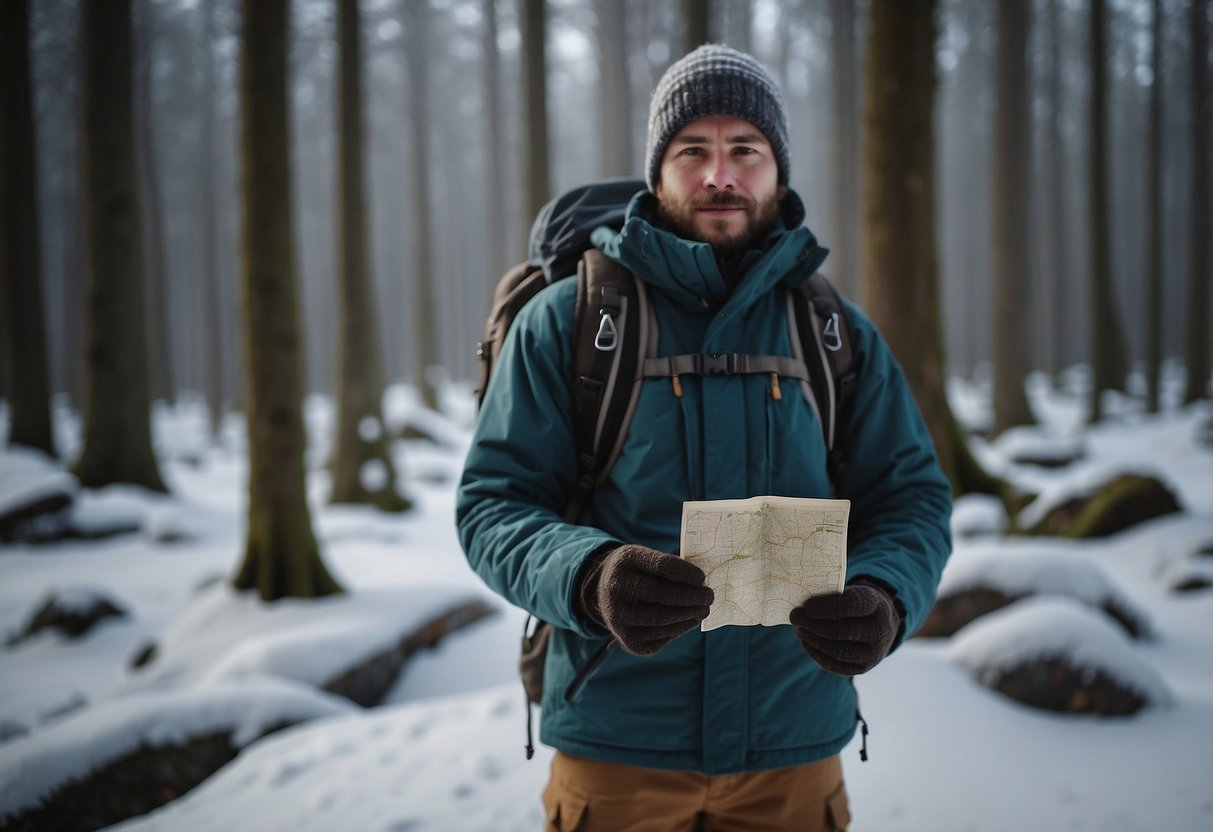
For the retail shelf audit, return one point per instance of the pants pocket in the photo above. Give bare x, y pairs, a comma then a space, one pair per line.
564, 811
838, 810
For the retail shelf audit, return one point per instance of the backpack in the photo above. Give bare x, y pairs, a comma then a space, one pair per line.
615, 339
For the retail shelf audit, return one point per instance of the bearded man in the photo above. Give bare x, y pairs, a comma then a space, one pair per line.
736, 727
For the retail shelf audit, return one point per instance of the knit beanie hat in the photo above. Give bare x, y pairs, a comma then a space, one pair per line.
715, 80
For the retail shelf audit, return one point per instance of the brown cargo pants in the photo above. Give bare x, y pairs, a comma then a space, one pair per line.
586, 795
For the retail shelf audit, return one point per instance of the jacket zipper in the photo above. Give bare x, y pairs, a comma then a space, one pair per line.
592, 665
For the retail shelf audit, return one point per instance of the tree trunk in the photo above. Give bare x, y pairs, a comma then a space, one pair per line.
1197, 344
22, 320
212, 281
1154, 279
362, 468
117, 430
697, 14
499, 258
615, 99
425, 308
538, 188
901, 270
281, 557
1012, 173
1059, 275
160, 356
844, 248
1107, 335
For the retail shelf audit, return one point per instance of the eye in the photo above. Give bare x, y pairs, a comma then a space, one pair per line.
691, 151
742, 150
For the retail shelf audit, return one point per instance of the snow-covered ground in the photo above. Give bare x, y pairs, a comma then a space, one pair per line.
446, 750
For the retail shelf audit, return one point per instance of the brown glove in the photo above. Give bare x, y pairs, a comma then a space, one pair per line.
848, 633
643, 597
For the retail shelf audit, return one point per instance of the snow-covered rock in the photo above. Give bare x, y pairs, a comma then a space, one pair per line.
101, 765
980, 580
1057, 654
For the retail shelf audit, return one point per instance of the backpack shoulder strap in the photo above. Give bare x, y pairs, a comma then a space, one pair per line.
611, 317
514, 290
825, 340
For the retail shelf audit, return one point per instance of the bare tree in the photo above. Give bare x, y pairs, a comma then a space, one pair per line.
615, 96
844, 252
208, 192
362, 461
1107, 336
901, 271
425, 309
281, 556
1058, 226
151, 204
21, 309
117, 430
698, 15
1197, 346
494, 146
1012, 172
534, 87
1154, 277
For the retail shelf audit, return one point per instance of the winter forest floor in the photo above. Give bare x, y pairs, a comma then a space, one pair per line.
445, 750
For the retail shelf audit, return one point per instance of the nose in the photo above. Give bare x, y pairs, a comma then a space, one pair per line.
719, 175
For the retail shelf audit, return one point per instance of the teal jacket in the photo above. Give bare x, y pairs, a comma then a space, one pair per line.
736, 698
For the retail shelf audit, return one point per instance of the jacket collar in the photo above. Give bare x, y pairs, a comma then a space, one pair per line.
689, 272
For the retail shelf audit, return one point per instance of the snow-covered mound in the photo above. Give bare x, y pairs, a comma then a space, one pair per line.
1054, 629
34, 766
1015, 573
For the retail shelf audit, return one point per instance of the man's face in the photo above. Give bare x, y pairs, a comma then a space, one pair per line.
719, 184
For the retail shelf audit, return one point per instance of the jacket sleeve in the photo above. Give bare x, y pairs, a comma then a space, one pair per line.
901, 503
521, 468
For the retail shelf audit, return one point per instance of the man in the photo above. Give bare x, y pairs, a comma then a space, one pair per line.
738, 727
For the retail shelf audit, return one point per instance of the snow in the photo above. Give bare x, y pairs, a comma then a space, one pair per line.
445, 751
1047, 568
1083, 484
1054, 628
28, 476
75, 745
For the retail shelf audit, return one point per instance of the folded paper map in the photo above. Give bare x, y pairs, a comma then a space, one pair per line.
765, 555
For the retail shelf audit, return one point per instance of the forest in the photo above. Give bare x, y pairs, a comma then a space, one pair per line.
247, 249
429, 133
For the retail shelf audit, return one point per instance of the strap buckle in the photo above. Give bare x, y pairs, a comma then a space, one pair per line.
718, 364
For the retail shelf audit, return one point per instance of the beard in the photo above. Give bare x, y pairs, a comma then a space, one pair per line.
680, 217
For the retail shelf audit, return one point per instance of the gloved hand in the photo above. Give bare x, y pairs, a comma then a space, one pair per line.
643, 597
848, 633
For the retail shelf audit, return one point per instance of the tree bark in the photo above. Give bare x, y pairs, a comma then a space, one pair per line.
1154, 278
425, 309
535, 138
22, 321
1056, 320
362, 468
160, 356
1012, 173
901, 269
117, 430
1197, 343
615, 100
697, 14
1107, 335
281, 557
844, 249
208, 182
494, 148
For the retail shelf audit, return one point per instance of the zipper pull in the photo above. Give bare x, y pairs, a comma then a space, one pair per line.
677, 386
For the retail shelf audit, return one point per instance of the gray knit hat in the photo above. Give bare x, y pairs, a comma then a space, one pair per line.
715, 80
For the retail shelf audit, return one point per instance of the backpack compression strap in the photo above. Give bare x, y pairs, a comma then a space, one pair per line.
611, 319
825, 346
